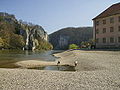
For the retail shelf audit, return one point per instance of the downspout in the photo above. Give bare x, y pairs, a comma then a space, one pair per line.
95, 32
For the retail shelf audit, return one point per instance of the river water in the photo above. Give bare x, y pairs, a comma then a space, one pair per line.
9, 57
26, 55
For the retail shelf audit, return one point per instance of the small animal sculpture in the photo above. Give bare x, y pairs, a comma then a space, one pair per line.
58, 62
76, 63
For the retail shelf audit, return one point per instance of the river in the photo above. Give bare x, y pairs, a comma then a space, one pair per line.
8, 58
11, 56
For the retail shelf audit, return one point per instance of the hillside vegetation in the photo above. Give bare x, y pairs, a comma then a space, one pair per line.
61, 39
16, 34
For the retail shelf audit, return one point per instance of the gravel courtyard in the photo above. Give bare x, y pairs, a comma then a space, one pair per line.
96, 70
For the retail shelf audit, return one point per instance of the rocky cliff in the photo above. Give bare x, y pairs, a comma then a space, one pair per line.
16, 34
61, 39
32, 35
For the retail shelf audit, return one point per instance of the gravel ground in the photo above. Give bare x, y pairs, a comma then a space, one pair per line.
91, 60
96, 70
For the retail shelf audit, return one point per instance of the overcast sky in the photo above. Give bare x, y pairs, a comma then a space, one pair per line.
53, 15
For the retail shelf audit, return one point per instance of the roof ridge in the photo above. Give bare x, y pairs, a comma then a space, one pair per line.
112, 10
116, 3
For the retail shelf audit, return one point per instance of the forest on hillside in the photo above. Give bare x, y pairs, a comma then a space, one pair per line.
16, 34
61, 39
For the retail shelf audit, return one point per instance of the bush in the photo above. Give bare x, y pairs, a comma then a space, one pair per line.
73, 46
16, 41
11, 40
1, 42
43, 45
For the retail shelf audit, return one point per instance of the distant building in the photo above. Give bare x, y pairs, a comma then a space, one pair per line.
106, 31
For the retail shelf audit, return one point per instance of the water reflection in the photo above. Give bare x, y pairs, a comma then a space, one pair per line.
56, 68
26, 55
8, 58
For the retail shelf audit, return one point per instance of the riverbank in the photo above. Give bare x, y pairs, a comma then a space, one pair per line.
91, 60
9, 58
96, 70
34, 63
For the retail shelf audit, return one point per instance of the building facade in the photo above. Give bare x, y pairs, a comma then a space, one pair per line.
106, 31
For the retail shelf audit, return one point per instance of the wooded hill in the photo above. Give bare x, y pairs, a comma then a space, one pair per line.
16, 34
61, 39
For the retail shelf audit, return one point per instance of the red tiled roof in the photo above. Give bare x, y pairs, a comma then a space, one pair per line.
112, 10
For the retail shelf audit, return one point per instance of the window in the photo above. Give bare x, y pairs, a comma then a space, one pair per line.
119, 39
104, 40
97, 23
97, 40
119, 19
112, 20
111, 40
104, 21
104, 30
97, 31
118, 28
111, 29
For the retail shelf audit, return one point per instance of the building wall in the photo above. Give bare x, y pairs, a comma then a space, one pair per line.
115, 34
